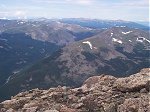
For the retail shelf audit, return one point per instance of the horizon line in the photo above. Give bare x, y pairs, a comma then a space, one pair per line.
50, 18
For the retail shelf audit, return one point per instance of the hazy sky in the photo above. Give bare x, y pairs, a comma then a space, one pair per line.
133, 10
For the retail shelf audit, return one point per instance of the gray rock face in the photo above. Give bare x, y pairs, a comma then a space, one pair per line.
135, 104
134, 82
51, 111
97, 94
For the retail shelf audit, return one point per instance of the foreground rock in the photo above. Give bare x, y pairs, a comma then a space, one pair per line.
98, 94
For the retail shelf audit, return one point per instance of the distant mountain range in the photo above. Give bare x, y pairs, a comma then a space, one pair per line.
48, 30
104, 24
145, 23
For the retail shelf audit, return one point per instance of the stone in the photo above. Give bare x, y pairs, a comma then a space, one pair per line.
143, 90
97, 94
10, 110
31, 109
133, 83
51, 111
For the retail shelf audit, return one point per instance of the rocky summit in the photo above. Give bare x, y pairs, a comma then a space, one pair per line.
102, 93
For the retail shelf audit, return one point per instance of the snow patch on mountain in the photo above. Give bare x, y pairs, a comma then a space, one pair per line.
16, 71
121, 26
22, 22
112, 34
141, 39
130, 41
117, 40
89, 43
95, 47
126, 32
7, 80
33, 25
21, 62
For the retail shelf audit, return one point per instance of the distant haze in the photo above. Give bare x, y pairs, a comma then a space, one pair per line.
131, 10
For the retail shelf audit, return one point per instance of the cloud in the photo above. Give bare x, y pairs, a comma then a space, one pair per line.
133, 3
50, 1
84, 2
81, 2
103, 9
20, 14
4, 14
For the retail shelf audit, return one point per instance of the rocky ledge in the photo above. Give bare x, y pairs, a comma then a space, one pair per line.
97, 94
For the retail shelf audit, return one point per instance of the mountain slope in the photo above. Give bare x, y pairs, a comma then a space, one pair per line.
97, 94
48, 30
15, 36
19, 50
122, 51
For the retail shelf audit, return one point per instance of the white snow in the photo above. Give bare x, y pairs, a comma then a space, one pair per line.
117, 40
141, 39
22, 22
121, 26
87, 28
95, 47
104, 28
58, 22
21, 62
15, 72
112, 34
130, 41
33, 25
89, 43
7, 80
126, 32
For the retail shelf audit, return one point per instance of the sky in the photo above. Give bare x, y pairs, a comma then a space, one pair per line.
131, 10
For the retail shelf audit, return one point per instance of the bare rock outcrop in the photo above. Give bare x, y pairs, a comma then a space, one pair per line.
97, 94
